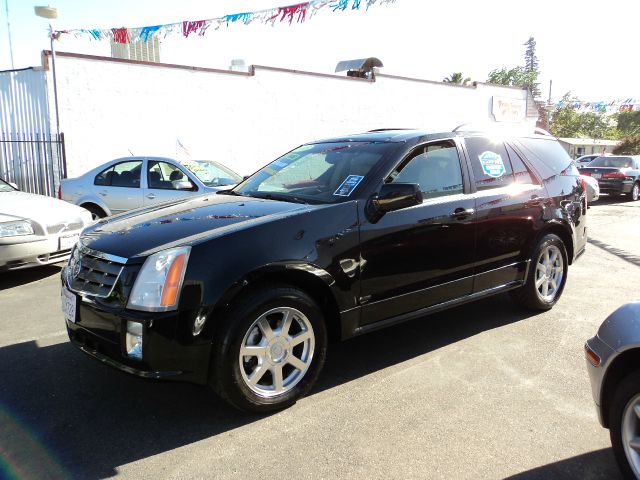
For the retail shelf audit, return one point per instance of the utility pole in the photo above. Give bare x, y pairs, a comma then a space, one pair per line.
6, 6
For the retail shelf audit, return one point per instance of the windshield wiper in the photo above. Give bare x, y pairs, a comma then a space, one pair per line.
276, 196
227, 192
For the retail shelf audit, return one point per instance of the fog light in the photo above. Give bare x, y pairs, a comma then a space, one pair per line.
133, 341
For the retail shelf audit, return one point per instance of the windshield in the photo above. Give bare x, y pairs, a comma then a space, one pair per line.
211, 173
616, 162
5, 187
319, 173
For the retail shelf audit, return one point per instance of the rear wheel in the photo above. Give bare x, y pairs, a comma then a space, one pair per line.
546, 277
624, 423
96, 211
270, 349
635, 192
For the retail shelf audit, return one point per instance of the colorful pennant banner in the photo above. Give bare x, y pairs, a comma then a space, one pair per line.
626, 105
299, 13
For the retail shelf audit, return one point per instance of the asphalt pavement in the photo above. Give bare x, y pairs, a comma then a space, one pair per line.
481, 391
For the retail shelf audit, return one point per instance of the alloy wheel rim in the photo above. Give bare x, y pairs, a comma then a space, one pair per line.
277, 351
549, 273
636, 191
631, 433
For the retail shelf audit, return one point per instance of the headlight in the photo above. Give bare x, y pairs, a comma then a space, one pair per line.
14, 229
157, 288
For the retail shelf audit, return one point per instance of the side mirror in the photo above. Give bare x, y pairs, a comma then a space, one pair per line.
184, 185
394, 196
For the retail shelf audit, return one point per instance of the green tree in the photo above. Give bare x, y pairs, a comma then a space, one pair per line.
456, 77
514, 77
531, 67
629, 123
628, 146
567, 122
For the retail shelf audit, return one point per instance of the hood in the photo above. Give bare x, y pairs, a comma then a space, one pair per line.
39, 208
141, 232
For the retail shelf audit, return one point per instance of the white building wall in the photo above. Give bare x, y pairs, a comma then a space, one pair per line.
113, 108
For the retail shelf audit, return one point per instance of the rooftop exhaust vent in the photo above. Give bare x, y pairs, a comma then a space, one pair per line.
361, 68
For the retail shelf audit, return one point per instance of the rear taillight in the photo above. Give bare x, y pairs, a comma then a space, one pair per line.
584, 185
614, 175
60, 192
588, 174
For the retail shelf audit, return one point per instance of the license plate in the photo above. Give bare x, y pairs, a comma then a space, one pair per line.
597, 176
69, 303
66, 243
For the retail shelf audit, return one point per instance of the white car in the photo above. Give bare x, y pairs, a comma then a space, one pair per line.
593, 188
133, 182
36, 230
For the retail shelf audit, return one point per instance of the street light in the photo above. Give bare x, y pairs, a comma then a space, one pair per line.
51, 13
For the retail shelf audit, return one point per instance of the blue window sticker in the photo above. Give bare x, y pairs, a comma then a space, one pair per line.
348, 186
492, 164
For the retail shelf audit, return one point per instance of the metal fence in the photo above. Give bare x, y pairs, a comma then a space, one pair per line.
33, 161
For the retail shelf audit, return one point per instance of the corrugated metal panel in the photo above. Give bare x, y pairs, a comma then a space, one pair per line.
30, 155
23, 102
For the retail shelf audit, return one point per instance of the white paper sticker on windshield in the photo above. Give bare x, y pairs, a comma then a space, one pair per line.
492, 164
348, 186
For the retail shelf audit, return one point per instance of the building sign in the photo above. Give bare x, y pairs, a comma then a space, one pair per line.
508, 109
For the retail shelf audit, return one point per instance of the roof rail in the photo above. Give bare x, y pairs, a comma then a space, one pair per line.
542, 131
470, 127
387, 129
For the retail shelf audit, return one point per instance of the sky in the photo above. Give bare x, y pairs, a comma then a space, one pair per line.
588, 48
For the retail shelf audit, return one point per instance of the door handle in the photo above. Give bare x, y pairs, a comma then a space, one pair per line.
462, 213
103, 193
151, 196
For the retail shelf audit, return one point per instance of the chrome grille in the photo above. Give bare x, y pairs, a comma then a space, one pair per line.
72, 226
93, 275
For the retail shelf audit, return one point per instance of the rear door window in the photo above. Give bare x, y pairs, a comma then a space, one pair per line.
490, 163
123, 174
521, 172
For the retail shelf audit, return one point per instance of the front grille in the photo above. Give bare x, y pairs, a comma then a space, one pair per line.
65, 227
96, 276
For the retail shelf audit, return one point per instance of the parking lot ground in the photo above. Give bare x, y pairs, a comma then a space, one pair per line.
481, 391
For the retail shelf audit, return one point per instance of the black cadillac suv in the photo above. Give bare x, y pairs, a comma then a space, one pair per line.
242, 289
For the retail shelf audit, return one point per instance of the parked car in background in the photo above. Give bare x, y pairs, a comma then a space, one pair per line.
585, 160
616, 174
242, 289
593, 188
36, 230
613, 362
133, 182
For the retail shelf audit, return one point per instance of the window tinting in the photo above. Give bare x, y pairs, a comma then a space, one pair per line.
435, 168
490, 162
520, 170
123, 174
548, 152
615, 162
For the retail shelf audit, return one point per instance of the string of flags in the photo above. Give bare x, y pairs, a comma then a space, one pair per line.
620, 105
300, 13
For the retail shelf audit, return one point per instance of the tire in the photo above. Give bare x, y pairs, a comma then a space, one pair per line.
634, 195
546, 277
624, 423
278, 371
96, 211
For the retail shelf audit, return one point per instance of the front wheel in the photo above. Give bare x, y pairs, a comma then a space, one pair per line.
624, 424
270, 349
546, 277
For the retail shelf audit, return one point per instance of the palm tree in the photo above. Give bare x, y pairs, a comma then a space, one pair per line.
456, 77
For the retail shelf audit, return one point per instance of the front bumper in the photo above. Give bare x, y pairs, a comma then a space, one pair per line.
169, 351
34, 253
598, 372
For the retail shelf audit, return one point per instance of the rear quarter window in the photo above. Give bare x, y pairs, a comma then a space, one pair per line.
546, 155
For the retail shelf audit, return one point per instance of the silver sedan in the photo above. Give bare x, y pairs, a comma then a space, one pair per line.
36, 230
613, 362
133, 182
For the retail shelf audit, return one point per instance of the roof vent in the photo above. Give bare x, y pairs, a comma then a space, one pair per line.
361, 68
238, 65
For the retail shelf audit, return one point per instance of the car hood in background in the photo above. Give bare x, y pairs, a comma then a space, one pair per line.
39, 208
142, 232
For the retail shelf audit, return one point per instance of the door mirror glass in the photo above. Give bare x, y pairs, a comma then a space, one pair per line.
394, 196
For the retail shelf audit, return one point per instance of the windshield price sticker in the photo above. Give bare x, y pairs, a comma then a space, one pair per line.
348, 186
492, 164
